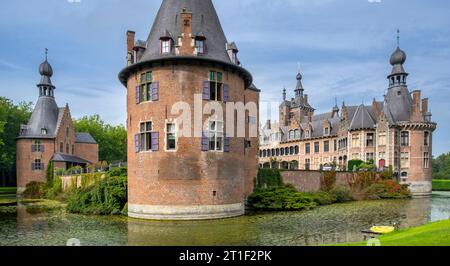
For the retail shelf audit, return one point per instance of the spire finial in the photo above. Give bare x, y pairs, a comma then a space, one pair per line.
398, 37
335, 101
46, 54
284, 94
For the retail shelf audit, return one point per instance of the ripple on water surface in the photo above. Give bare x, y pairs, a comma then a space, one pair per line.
23, 225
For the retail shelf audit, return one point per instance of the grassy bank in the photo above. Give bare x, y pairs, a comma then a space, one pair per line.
441, 185
7, 190
434, 234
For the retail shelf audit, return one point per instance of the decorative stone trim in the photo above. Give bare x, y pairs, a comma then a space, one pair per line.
199, 212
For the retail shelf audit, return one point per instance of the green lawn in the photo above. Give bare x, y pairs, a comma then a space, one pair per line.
441, 185
434, 234
8, 190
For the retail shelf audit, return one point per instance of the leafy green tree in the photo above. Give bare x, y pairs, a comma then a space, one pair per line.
112, 140
441, 167
11, 117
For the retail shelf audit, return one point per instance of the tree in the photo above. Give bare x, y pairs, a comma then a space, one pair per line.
441, 167
112, 140
11, 118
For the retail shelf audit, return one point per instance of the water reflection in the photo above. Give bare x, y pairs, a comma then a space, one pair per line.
30, 225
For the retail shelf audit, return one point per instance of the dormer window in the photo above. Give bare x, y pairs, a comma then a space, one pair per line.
326, 131
307, 133
43, 131
166, 46
200, 46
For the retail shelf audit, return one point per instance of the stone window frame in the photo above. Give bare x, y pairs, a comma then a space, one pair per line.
426, 138
216, 86
217, 132
38, 165
326, 146
426, 160
307, 148
382, 138
404, 138
37, 146
317, 147
174, 133
145, 134
146, 87
370, 142
405, 160
356, 140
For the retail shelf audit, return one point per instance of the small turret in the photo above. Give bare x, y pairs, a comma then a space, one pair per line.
46, 88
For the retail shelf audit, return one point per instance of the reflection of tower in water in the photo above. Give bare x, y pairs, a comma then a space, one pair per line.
416, 212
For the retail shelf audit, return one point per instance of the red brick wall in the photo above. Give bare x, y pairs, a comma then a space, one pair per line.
87, 151
187, 176
25, 157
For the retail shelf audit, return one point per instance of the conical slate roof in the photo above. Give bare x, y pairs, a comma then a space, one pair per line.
45, 116
204, 21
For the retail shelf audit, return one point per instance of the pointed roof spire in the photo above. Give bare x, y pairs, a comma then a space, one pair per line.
284, 94
398, 37
299, 88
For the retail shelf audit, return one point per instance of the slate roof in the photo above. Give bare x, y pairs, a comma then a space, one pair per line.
204, 20
363, 119
59, 157
45, 115
85, 138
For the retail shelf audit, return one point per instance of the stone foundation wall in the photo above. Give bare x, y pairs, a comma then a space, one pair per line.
310, 181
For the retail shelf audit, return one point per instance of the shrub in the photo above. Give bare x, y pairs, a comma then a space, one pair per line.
342, 194
106, 197
34, 190
268, 178
54, 189
388, 189
287, 198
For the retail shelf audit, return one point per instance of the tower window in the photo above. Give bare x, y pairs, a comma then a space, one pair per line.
404, 138
146, 136
426, 160
426, 138
38, 165
216, 136
146, 89
38, 147
171, 137
200, 46
166, 46
216, 86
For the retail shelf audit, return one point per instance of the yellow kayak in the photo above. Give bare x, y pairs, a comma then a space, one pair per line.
382, 229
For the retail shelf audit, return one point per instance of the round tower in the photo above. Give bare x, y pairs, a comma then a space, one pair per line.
182, 163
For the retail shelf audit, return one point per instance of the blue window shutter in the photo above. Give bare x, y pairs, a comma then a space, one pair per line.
155, 141
226, 93
205, 142
136, 143
42, 166
206, 91
138, 94
226, 144
33, 148
155, 91
33, 167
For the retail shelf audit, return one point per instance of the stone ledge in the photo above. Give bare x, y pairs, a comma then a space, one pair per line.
207, 212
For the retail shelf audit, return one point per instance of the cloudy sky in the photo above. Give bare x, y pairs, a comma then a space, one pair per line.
342, 46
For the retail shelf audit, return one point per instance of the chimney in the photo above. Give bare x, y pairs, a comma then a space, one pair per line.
310, 117
130, 46
425, 106
187, 44
416, 112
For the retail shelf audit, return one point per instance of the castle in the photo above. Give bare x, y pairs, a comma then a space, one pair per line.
187, 59
49, 136
396, 132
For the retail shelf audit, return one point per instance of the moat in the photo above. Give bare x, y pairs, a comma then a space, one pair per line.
36, 225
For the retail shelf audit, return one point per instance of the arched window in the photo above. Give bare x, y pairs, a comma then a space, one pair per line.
297, 134
282, 151
286, 151
297, 150
291, 150
264, 153
278, 152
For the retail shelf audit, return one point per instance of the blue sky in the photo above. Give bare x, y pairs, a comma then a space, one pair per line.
343, 48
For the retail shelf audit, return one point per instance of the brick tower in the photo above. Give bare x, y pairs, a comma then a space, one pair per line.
205, 174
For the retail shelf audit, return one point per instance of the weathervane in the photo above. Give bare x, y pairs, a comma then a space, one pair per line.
46, 54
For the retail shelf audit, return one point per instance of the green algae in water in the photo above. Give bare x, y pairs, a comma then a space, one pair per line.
338, 223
